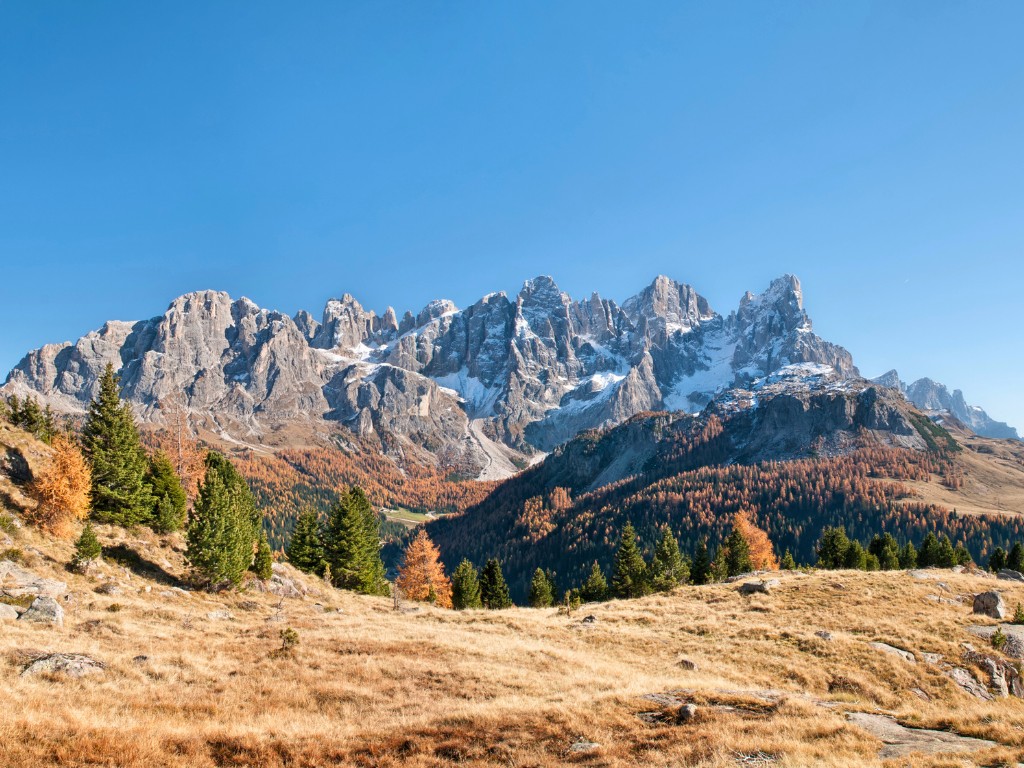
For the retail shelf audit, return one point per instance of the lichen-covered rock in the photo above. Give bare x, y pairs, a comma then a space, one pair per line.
44, 610
70, 664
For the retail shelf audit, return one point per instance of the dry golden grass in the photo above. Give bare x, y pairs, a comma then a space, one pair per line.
993, 484
369, 686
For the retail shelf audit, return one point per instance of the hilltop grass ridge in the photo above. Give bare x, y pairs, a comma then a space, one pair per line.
198, 679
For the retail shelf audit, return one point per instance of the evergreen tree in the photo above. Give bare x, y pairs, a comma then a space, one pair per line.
961, 555
928, 553
945, 555
596, 587
788, 563
629, 574
493, 589
352, 545
669, 568
465, 587
908, 556
700, 572
172, 504
87, 548
736, 557
871, 562
832, 548
263, 563
1015, 561
856, 557
224, 527
120, 494
541, 590
306, 547
886, 551
997, 560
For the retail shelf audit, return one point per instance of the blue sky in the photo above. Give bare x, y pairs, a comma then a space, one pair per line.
290, 152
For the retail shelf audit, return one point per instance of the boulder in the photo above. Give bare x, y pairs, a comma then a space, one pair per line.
686, 713
762, 587
687, 664
220, 616
826, 636
582, 746
990, 604
70, 664
8, 612
44, 610
1007, 575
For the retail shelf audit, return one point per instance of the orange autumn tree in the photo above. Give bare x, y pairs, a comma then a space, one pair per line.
62, 490
762, 553
422, 576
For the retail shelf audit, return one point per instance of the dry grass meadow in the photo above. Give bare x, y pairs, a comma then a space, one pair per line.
371, 686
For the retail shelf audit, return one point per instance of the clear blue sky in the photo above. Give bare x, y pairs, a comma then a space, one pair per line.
401, 152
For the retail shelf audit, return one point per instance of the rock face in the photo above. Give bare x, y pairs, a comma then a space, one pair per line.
468, 389
930, 395
990, 604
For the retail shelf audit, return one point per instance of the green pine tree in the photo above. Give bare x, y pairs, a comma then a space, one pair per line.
465, 587
87, 548
595, 588
172, 505
541, 590
669, 568
832, 548
945, 556
629, 573
886, 551
908, 556
306, 547
352, 545
263, 563
997, 560
961, 555
701, 570
856, 557
224, 527
928, 554
120, 494
1015, 561
737, 554
493, 589
788, 563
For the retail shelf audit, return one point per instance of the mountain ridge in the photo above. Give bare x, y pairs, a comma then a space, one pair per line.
477, 392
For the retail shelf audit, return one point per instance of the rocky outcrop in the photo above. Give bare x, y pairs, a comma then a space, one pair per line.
528, 372
930, 395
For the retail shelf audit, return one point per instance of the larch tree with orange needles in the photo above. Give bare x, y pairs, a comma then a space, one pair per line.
762, 553
62, 490
422, 576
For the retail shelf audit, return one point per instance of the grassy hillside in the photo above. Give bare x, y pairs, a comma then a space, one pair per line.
369, 685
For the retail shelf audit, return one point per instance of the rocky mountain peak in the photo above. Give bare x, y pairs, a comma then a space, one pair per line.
668, 306
484, 386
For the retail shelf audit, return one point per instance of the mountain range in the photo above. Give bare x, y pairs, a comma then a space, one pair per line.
478, 392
